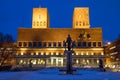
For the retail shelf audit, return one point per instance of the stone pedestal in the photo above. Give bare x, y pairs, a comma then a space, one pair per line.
69, 62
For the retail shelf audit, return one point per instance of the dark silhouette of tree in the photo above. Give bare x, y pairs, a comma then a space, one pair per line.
7, 49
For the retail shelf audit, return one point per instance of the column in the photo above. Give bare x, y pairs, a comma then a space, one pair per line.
51, 61
62, 62
56, 61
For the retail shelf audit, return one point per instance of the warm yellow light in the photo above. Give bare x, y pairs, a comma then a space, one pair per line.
86, 53
36, 53
102, 53
81, 53
77, 61
21, 53
109, 43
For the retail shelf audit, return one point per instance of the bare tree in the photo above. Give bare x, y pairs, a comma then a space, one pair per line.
7, 49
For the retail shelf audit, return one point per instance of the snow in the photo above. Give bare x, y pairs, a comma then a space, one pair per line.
54, 74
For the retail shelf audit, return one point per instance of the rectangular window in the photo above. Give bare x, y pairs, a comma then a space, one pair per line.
59, 44
79, 44
84, 44
20, 44
89, 44
25, 44
34, 44
30, 44
44, 44
94, 44
39, 44
99, 44
49, 44
54, 44
74, 44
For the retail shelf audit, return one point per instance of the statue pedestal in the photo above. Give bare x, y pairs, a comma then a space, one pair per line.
69, 61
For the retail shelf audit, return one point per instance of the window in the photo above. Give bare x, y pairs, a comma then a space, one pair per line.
44, 44
25, 44
34, 44
59, 44
84, 44
74, 44
94, 44
39, 44
20, 44
49, 44
80, 23
30, 44
54, 44
79, 44
76, 23
89, 44
99, 44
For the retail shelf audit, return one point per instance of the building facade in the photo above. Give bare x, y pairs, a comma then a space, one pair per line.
42, 46
113, 53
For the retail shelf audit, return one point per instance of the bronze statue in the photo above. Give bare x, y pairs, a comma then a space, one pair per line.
69, 41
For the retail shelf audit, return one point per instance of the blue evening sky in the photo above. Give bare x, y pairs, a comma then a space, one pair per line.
103, 13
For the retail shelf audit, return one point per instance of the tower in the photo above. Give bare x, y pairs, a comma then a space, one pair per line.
81, 18
40, 18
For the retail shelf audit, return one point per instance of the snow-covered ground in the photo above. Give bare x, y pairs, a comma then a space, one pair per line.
54, 74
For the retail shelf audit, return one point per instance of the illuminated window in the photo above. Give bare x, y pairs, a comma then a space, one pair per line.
51, 53
97, 61
32, 53
34, 61
102, 53
76, 53
41, 53
56, 53
22, 53
92, 53
77, 61
87, 53
21, 62
81, 53
36, 53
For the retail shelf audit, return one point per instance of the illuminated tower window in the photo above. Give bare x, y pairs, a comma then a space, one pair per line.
40, 18
81, 15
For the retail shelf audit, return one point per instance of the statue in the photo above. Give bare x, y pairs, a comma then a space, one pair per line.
69, 41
